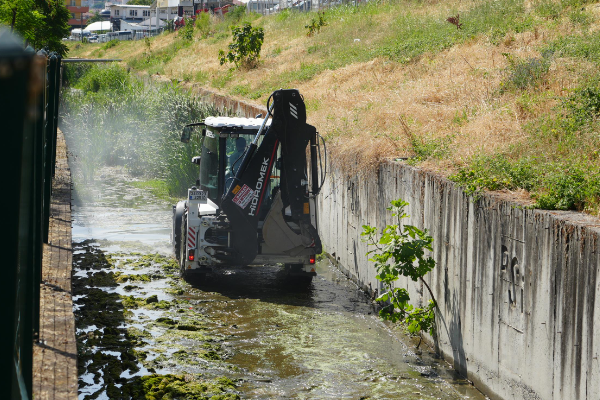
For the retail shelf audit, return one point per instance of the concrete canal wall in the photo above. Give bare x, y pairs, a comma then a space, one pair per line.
516, 288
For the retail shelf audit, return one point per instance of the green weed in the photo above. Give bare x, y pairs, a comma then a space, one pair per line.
241, 90
110, 44
276, 51
496, 172
429, 147
586, 46
548, 9
111, 78
201, 77
582, 18
558, 163
221, 81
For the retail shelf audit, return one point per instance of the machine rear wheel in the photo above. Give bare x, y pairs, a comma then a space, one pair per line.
297, 276
177, 218
182, 247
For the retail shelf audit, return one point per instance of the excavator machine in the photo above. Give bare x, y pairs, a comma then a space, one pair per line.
254, 202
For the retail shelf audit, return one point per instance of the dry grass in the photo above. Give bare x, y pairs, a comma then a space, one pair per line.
452, 95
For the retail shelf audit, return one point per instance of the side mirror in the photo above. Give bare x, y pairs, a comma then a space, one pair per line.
186, 134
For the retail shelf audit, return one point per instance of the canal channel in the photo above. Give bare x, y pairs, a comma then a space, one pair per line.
243, 333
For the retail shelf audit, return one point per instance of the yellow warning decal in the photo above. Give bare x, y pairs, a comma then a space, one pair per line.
306, 208
236, 189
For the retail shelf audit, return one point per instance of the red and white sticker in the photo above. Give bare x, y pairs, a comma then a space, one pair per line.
191, 238
244, 196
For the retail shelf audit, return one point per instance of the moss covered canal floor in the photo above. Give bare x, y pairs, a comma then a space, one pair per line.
133, 324
245, 333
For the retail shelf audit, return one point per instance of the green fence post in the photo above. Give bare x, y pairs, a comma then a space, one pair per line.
39, 193
15, 102
50, 144
57, 86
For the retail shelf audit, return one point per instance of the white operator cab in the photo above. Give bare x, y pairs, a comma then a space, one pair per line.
202, 234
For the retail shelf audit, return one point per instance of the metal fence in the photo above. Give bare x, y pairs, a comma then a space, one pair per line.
29, 96
267, 7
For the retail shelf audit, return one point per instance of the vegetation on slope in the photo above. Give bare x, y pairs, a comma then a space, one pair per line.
496, 94
112, 118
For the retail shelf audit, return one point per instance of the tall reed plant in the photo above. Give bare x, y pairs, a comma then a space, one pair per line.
111, 117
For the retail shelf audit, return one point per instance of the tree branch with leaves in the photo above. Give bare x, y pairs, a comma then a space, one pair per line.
41, 23
400, 251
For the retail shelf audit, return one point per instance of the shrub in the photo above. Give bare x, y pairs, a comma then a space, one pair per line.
186, 32
203, 24
316, 24
236, 14
245, 49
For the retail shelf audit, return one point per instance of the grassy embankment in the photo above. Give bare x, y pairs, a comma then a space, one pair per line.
509, 101
114, 119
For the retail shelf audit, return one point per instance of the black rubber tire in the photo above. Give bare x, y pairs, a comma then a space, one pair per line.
177, 218
297, 276
182, 247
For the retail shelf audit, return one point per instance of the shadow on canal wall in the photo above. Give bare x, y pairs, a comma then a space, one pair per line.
516, 287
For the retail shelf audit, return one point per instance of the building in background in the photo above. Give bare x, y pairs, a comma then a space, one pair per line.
126, 13
77, 10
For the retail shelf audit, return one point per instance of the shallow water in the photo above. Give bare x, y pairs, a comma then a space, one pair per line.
275, 340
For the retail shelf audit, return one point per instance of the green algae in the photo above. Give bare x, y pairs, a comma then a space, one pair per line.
166, 321
102, 279
176, 292
137, 334
133, 302
189, 387
163, 305
116, 347
151, 302
134, 278
152, 299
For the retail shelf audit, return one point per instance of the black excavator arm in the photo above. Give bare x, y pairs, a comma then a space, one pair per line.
243, 201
